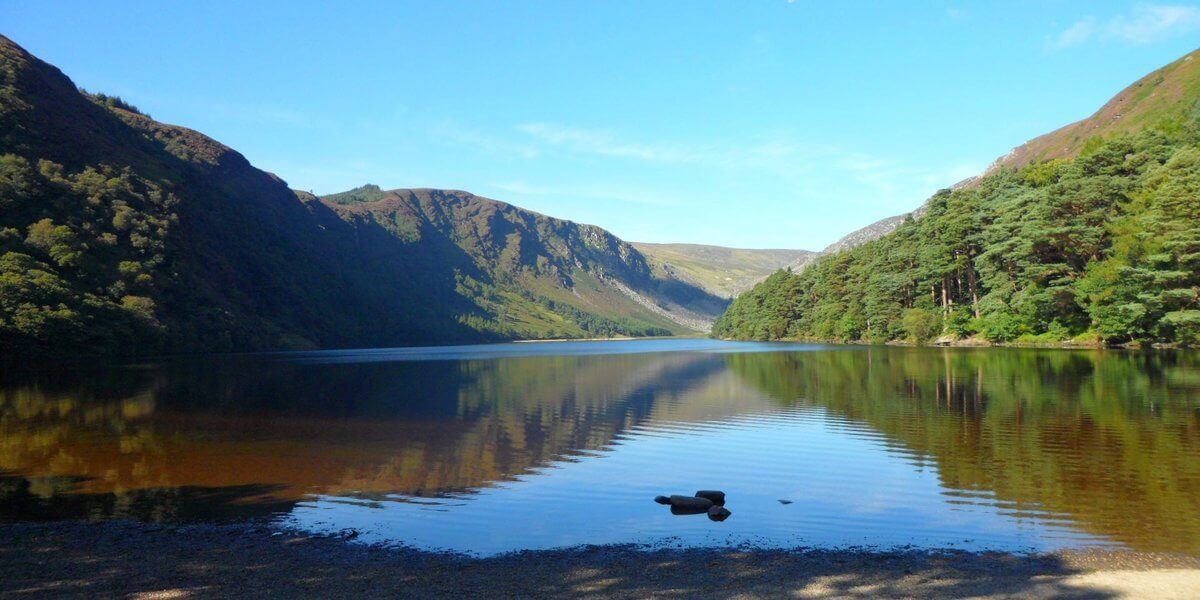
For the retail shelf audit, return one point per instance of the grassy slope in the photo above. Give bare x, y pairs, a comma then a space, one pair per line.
724, 272
1165, 95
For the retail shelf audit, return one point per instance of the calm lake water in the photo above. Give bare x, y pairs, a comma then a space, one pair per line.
486, 449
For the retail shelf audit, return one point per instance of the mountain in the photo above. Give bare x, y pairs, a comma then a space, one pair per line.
1092, 239
1158, 99
723, 272
1164, 98
546, 277
853, 239
123, 235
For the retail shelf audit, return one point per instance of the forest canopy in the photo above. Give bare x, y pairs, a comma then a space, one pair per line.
1102, 247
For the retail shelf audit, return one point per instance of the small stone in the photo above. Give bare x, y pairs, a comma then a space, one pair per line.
717, 497
785, 501
718, 513
662, 499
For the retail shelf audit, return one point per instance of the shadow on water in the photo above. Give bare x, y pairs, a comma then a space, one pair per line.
363, 430
57, 498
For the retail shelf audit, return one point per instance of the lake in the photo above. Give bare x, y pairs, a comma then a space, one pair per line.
494, 448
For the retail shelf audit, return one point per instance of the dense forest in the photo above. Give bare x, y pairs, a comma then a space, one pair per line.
123, 235
1102, 247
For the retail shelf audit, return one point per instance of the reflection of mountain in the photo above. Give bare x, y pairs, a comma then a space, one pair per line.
1111, 439
276, 431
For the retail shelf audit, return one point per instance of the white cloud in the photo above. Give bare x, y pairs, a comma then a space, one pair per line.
1078, 33
1151, 23
589, 191
1146, 23
453, 133
800, 168
777, 153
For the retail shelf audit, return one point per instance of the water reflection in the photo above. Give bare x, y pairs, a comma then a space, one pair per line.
1109, 439
547, 445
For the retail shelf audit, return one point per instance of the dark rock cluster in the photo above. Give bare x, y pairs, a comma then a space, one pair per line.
710, 502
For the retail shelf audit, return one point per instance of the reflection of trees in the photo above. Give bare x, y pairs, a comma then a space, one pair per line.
195, 428
1110, 438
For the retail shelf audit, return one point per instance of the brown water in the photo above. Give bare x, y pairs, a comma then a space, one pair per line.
487, 449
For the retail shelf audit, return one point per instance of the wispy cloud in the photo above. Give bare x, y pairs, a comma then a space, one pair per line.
1146, 23
804, 169
590, 192
779, 153
456, 134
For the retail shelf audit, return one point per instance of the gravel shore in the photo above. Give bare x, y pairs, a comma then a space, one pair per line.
136, 560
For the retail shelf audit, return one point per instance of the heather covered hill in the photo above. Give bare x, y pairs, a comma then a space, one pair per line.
1163, 99
123, 235
1099, 246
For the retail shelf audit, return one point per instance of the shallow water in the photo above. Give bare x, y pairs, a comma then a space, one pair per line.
486, 449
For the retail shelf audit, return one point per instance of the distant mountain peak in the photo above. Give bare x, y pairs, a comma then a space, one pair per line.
364, 193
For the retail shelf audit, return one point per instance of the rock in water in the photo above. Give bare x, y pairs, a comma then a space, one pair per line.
718, 513
662, 499
690, 503
680, 510
715, 496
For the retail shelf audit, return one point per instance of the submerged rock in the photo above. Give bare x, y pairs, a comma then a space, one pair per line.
662, 499
718, 513
717, 497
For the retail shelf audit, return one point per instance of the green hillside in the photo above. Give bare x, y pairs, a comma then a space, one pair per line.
724, 272
1100, 246
123, 235
1163, 99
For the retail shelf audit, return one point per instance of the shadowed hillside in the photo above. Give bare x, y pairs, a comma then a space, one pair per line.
123, 235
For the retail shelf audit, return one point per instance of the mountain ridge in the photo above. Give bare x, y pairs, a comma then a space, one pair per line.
722, 271
123, 235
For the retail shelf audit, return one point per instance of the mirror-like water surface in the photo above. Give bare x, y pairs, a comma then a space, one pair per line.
486, 449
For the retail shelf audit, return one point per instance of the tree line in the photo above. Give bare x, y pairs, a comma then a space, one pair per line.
1104, 247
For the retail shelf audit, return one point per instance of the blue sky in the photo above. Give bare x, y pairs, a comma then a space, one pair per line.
750, 124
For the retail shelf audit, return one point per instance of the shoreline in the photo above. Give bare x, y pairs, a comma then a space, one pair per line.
979, 343
132, 559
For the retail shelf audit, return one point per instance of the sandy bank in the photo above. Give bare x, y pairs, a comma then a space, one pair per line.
147, 561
